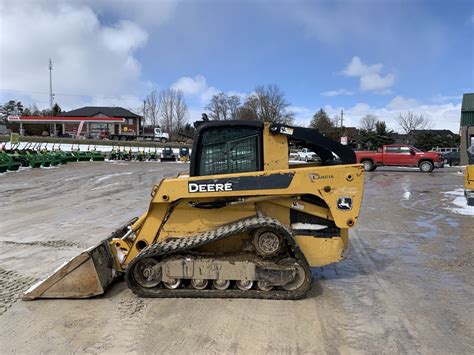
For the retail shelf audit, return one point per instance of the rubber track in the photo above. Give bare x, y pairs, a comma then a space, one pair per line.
180, 245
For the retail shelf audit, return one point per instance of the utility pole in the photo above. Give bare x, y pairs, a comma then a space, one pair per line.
342, 134
144, 119
51, 96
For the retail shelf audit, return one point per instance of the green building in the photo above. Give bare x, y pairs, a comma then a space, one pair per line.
467, 125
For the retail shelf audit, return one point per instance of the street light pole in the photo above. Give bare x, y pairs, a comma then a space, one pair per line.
51, 95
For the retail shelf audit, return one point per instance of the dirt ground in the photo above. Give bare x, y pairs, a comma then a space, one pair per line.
407, 285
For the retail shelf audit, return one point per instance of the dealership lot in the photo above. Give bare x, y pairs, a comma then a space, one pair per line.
406, 285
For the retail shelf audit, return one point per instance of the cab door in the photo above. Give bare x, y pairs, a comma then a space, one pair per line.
407, 156
391, 156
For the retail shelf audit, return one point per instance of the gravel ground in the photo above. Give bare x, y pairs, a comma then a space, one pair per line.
406, 285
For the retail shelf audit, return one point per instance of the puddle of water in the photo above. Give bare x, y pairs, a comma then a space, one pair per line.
430, 228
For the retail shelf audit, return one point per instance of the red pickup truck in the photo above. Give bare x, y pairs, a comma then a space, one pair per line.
400, 155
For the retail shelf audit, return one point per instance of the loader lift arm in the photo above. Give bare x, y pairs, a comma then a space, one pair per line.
321, 145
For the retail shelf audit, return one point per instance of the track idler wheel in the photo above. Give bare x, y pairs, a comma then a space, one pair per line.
146, 273
199, 284
244, 285
221, 284
266, 242
264, 286
299, 278
173, 284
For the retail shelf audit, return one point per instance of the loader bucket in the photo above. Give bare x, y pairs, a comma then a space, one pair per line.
86, 275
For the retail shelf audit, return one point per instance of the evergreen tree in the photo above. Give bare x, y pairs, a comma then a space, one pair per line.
56, 109
374, 139
323, 124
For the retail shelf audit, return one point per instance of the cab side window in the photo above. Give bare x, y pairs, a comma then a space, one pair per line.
229, 150
392, 150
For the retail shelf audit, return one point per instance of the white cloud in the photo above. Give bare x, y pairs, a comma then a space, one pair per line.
370, 76
148, 13
444, 98
93, 62
400, 103
443, 116
196, 87
241, 95
338, 92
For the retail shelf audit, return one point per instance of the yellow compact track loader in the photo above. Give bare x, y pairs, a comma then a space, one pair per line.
243, 223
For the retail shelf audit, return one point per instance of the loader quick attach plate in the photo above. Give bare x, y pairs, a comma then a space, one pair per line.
86, 275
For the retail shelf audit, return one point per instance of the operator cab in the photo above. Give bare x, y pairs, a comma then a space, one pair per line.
227, 147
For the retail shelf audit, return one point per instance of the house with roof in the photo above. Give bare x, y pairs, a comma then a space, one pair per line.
127, 121
88, 121
467, 126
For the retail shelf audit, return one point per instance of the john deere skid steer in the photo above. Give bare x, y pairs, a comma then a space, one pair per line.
243, 223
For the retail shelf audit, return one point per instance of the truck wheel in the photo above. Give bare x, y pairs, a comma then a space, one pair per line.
163, 140
368, 165
426, 166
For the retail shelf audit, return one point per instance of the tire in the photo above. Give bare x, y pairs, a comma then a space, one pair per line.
368, 165
426, 166
470, 201
163, 140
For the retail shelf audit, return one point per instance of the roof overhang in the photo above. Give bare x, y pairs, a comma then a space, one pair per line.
62, 119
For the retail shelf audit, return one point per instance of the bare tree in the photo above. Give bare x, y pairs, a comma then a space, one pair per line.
410, 121
234, 103
151, 109
173, 110
268, 104
368, 122
218, 107
181, 111
223, 107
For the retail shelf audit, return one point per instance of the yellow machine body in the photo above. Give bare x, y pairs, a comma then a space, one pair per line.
469, 184
186, 206
469, 171
469, 177
184, 221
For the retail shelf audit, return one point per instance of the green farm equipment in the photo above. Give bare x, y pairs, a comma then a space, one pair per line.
96, 155
6, 160
167, 154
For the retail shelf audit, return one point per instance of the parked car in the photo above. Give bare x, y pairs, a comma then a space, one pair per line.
452, 158
307, 155
293, 154
444, 150
400, 155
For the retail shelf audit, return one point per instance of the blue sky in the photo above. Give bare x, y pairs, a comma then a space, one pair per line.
378, 57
